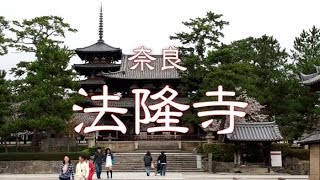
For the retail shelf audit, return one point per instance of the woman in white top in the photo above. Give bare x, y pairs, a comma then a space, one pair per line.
82, 169
109, 162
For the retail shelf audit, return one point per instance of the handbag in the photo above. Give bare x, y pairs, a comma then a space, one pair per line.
152, 165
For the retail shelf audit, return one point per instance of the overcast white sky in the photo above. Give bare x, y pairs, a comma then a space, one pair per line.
129, 24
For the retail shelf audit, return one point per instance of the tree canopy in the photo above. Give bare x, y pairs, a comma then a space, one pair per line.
258, 65
4, 25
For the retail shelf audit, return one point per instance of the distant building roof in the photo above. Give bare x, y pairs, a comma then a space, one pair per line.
127, 73
262, 131
311, 79
313, 138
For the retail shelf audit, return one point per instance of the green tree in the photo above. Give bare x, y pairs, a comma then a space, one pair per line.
5, 104
30, 32
4, 24
306, 54
41, 87
306, 51
257, 65
205, 33
43, 92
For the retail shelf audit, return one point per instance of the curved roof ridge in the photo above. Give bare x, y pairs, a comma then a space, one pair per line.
257, 123
98, 46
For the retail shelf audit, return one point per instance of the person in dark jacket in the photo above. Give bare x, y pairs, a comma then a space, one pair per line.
66, 170
98, 160
147, 162
163, 163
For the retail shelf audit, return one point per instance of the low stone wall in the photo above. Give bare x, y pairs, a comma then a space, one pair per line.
293, 166
191, 145
219, 166
57, 144
117, 146
30, 167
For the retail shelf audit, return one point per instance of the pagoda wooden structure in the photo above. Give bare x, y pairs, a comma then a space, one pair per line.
107, 65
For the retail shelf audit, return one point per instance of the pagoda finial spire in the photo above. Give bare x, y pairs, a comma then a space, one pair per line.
101, 24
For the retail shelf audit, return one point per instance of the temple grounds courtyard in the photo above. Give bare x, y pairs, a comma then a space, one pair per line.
184, 175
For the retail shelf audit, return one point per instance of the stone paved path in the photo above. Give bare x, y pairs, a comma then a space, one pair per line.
177, 176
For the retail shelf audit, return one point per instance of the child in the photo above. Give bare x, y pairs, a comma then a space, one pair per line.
157, 169
91, 168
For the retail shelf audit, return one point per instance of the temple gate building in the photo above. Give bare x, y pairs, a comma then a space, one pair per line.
313, 139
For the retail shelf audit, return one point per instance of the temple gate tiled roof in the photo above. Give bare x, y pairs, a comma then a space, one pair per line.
313, 138
130, 102
258, 132
86, 118
127, 73
311, 79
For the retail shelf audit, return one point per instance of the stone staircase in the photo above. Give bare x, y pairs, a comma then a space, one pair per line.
176, 162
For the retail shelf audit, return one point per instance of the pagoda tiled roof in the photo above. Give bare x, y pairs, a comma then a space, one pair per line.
255, 132
311, 79
130, 102
96, 66
100, 46
92, 82
313, 138
126, 72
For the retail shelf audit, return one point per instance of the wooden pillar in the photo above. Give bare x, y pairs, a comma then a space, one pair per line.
239, 157
266, 152
236, 155
314, 161
235, 160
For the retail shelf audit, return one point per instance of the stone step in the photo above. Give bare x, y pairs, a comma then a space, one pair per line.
183, 162
152, 171
158, 151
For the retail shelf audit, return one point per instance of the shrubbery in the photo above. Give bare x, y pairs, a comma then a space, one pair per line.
287, 151
39, 156
220, 152
28, 149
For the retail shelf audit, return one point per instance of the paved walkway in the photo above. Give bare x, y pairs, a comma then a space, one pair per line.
177, 176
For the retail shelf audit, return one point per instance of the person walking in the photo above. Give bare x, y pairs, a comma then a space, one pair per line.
82, 169
98, 160
109, 162
147, 162
66, 169
163, 163
91, 168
